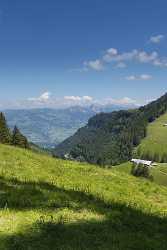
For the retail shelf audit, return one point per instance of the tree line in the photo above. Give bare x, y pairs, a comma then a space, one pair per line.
15, 137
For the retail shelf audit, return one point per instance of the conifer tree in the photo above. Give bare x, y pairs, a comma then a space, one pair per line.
5, 136
18, 139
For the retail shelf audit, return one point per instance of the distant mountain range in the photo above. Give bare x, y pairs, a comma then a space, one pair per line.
49, 127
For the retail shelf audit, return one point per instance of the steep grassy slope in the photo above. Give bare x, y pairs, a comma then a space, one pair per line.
50, 204
154, 146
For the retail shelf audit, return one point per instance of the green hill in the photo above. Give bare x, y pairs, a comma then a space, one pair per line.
51, 204
154, 146
110, 139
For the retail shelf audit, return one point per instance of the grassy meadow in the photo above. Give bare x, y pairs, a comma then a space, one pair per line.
154, 146
51, 204
159, 172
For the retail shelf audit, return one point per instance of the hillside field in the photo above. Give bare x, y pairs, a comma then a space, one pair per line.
51, 204
159, 172
154, 146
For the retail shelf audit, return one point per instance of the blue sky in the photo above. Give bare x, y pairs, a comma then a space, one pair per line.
72, 50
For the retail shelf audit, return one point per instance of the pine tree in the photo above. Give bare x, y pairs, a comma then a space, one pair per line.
18, 139
5, 136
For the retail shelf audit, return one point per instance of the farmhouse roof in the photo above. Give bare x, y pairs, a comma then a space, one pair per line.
139, 161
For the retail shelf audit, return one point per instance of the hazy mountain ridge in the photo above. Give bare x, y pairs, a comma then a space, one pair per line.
48, 127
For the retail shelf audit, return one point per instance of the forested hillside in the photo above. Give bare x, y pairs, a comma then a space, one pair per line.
111, 138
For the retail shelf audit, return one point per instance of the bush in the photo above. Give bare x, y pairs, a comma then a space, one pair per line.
140, 170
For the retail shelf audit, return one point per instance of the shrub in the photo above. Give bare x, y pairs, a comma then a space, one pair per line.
140, 170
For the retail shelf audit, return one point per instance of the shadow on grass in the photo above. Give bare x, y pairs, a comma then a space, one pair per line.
123, 227
23, 195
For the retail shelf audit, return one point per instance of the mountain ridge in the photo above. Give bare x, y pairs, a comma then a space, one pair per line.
110, 138
48, 127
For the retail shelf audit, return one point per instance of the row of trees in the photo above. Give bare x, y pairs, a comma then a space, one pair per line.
15, 138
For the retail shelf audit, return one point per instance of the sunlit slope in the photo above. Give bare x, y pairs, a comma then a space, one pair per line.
154, 146
158, 173
50, 204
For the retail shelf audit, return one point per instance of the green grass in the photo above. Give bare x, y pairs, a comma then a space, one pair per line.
154, 146
51, 204
159, 172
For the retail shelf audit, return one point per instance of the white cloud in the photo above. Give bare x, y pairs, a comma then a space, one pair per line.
134, 55
143, 77
156, 39
78, 98
87, 98
130, 78
120, 60
95, 65
110, 54
145, 57
45, 96
112, 51
122, 101
42, 98
119, 57
47, 101
72, 98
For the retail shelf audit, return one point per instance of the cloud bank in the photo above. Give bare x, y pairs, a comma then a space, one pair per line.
47, 100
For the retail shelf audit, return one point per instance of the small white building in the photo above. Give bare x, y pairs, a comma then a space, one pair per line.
144, 162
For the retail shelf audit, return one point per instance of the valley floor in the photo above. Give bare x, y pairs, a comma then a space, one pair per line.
51, 204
